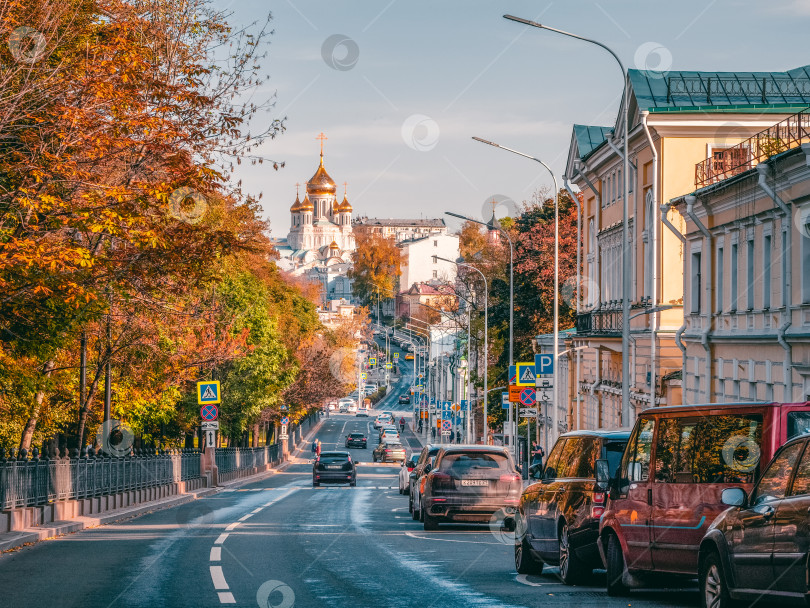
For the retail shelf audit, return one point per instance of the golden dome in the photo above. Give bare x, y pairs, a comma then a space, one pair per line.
335, 207
296, 206
345, 207
321, 183
333, 245
306, 204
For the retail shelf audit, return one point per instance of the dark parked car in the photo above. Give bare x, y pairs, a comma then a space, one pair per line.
356, 440
471, 483
406, 399
414, 497
667, 492
389, 452
759, 548
557, 521
334, 467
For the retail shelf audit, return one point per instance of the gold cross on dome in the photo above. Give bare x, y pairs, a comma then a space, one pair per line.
345, 188
494, 204
296, 189
323, 138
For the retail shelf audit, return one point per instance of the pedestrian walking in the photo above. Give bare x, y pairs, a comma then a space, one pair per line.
458, 436
420, 425
317, 448
538, 453
433, 432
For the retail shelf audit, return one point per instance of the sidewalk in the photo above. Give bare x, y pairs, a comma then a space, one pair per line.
10, 541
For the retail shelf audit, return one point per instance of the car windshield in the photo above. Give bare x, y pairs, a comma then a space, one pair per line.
473, 461
357, 435
334, 457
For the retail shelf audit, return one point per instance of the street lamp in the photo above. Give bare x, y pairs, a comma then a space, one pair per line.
556, 329
626, 282
511, 277
486, 331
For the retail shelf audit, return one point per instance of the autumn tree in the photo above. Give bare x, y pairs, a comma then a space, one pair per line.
376, 268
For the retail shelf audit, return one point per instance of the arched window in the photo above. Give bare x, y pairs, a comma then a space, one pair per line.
649, 246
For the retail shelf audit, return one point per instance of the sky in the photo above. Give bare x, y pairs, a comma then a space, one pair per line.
400, 87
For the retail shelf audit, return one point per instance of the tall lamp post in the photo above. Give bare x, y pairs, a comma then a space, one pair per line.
511, 298
486, 331
626, 282
556, 329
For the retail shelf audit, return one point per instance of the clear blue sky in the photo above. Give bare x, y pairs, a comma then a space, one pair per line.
443, 71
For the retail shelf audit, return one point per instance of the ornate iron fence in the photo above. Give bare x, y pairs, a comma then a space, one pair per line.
28, 482
728, 162
235, 459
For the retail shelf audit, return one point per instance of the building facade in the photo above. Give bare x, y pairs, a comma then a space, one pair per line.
746, 327
400, 230
676, 120
419, 264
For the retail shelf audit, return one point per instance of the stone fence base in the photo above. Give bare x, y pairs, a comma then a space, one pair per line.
30, 517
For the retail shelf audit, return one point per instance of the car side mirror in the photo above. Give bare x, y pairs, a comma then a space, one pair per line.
734, 497
602, 474
410, 464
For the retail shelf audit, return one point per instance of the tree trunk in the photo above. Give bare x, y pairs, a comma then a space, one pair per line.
85, 409
31, 425
256, 435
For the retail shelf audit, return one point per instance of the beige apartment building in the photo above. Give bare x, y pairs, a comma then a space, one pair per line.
676, 120
746, 327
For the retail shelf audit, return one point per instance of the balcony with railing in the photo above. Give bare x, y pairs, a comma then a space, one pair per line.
607, 319
728, 162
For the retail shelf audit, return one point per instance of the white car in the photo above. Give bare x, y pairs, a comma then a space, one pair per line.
405, 475
352, 407
383, 419
345, 403
389, 435
362, 411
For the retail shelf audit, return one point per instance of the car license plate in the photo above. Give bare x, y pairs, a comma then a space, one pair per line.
474, 482
334, 466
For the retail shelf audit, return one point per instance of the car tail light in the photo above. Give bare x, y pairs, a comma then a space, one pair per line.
387, 451
599, 498
510, 478
441, 480
596, 512
410, 469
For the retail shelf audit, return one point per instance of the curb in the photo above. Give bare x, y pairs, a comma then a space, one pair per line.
10, 541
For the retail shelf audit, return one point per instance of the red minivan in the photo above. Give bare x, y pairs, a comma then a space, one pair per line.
667, 488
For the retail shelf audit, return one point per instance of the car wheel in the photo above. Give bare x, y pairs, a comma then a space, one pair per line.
713, 587
430, 522
422, 513
353, 483
572, 571
524, 562
615, 568
374, 457
315, 484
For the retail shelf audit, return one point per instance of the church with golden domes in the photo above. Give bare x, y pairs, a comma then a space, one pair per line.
320, 241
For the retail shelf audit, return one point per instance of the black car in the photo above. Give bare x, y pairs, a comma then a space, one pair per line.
557, 521
759, 548
404, 399
356, 440
334, 467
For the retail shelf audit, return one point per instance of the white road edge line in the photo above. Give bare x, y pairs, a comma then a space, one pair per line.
233, 525
218, 577
220, 539
226, 597
521, 578
244, 517
216, 554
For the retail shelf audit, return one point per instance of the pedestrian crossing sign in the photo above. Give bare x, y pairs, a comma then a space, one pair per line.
525, 374
208, 392
396, 355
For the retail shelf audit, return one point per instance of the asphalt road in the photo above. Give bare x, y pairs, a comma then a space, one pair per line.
280, 542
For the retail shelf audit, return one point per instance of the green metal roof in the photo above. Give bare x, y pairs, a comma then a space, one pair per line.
720, 91
589, 138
